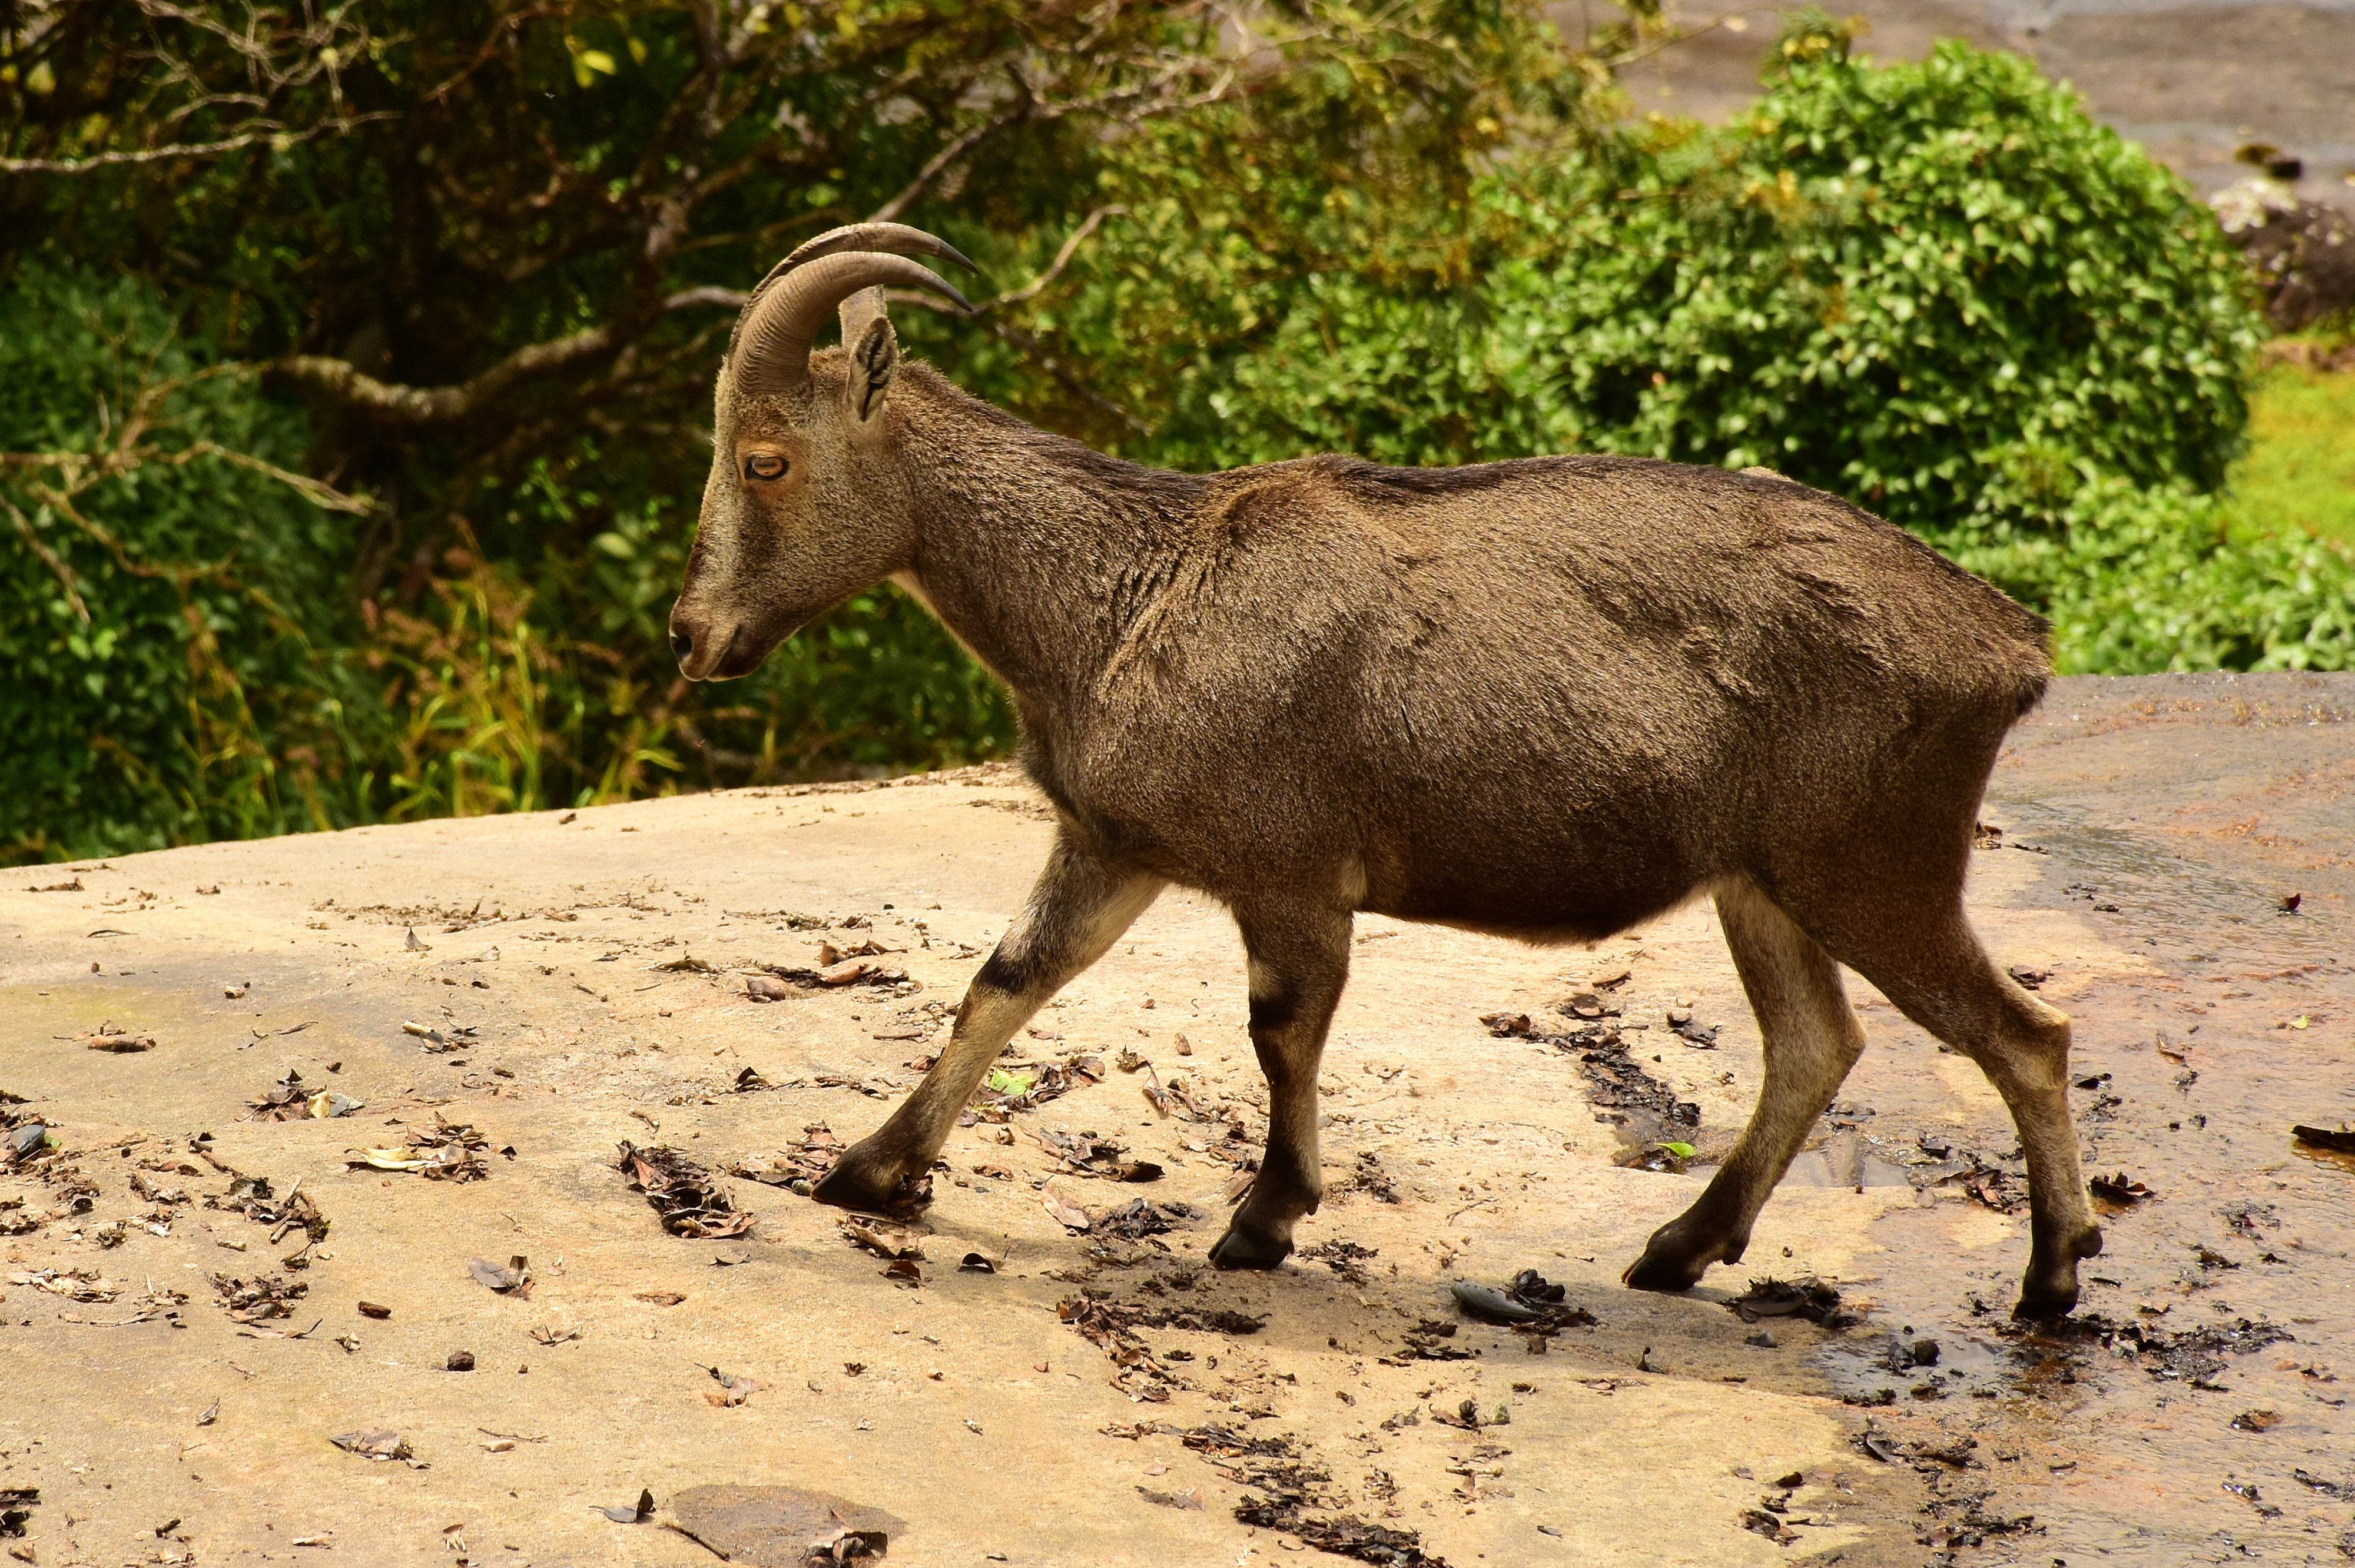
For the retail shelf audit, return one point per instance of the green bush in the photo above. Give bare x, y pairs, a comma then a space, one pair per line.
1879, 277
1868, 282
2144, 578
167, 617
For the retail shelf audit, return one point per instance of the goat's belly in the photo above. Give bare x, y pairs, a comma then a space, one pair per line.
1540, 886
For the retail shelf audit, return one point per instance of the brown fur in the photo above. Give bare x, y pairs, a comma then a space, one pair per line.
1546, 698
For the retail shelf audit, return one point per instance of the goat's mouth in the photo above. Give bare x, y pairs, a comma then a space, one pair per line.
750, 645
696, 659
746, 647
740, 657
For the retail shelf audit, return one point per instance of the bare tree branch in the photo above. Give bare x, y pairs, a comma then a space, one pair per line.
939, 162
1070, 247
726, 299
56, 481
51, 559
345, 382
243, 79
1143, 99
279, 139
670, 185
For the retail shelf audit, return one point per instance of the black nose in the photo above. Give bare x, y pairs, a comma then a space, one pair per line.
682, 644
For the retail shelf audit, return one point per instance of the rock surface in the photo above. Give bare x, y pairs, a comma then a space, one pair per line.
1087, 1398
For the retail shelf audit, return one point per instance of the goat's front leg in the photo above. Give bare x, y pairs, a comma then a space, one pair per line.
1078, 908
1299, 962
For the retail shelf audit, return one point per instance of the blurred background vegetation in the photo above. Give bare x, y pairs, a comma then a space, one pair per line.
355, 361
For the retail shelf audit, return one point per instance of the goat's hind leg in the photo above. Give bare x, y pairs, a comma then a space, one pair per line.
1940, 977
1299, 962
1079, 908
1812, 1039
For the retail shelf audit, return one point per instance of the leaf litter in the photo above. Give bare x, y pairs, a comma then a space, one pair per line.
1528, 1301
1025, 1085
1289, 1494
886, 1241
291, 1100
1644, 1111
86, 1285
782, 982
683, 1193
2121, 1189
734, 1389
1111, 1325
1135, 1219
258, 1299
1087, 1155
252, 1197
2193, 1356
800, 1167
1808, 1297
441, 1041
1346, 1258
630, 1513
446, 1151
379, 1443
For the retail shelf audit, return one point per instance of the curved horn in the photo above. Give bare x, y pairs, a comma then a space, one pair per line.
771, 352
894, 239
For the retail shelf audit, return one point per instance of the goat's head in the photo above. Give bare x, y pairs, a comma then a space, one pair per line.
804, 505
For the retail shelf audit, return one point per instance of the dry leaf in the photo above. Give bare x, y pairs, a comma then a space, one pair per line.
631, 1515
375, 1442
515, 1279
736, 1388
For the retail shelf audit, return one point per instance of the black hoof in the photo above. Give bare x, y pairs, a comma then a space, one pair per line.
1674, 1262
867, 1185
1668, 1273
2050, 1288
2038, 1307
1240, 1248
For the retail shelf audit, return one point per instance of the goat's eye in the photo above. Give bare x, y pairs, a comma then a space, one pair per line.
764, 465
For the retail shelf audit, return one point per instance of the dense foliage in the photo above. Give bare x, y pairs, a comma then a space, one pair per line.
468, 266
167, 596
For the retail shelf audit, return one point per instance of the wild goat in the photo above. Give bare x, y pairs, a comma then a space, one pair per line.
1546, 698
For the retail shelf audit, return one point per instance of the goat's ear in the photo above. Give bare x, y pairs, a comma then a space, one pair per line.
874, 361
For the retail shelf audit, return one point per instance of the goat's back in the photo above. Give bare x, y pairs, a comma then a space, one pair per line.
1550, 695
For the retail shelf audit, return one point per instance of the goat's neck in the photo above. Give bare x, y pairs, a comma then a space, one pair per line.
1036, 560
